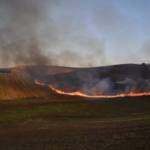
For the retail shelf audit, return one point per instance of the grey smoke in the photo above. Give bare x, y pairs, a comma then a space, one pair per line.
19, 32
110, 80
145, 50
106, 86
30, 35
42, 32
98, 87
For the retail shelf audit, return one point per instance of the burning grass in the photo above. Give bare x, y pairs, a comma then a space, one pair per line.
78, 93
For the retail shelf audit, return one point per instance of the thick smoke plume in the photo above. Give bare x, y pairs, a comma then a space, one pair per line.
30, 35
19, 32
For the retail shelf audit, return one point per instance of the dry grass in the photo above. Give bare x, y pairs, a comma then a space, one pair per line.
15, 86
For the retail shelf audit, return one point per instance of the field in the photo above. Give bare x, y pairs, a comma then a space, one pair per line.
33, 117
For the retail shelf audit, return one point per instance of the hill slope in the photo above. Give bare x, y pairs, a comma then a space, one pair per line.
16, 86
20, 83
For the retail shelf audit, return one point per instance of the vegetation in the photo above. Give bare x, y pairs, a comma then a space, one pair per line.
15, 86
21, 111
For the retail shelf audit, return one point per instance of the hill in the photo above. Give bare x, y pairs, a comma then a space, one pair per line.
19, 84
44, 70
16, 86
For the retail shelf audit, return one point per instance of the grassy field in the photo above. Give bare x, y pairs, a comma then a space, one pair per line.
33, 117
12, 112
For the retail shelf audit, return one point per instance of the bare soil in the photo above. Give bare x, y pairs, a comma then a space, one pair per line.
78, 135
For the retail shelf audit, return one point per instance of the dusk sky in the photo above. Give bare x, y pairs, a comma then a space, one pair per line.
75, 33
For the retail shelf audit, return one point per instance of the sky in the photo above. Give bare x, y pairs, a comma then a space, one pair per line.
74, 33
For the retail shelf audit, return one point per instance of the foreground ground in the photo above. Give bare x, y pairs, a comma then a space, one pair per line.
75, 123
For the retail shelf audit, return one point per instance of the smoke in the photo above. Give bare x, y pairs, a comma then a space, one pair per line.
20, 27
103, 80
145, 50
67, 33
104, 86
29, 35
98, 87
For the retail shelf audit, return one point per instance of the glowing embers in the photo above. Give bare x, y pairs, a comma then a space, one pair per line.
78, 93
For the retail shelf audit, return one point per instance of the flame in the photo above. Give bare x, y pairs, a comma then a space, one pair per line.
78, 93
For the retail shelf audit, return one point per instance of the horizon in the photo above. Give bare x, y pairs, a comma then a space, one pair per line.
75, 67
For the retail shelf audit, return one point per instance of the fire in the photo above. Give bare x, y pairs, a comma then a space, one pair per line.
78, 93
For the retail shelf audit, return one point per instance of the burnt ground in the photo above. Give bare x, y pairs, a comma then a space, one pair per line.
110, 124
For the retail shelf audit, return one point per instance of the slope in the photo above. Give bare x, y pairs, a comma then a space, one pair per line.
17, 86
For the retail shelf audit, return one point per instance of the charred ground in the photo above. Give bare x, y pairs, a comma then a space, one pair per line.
103, 80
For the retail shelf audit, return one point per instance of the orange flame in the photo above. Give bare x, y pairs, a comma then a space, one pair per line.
78, 93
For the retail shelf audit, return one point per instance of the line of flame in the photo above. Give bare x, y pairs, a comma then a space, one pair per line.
78, 93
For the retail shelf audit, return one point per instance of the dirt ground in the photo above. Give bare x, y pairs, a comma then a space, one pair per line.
78, 134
